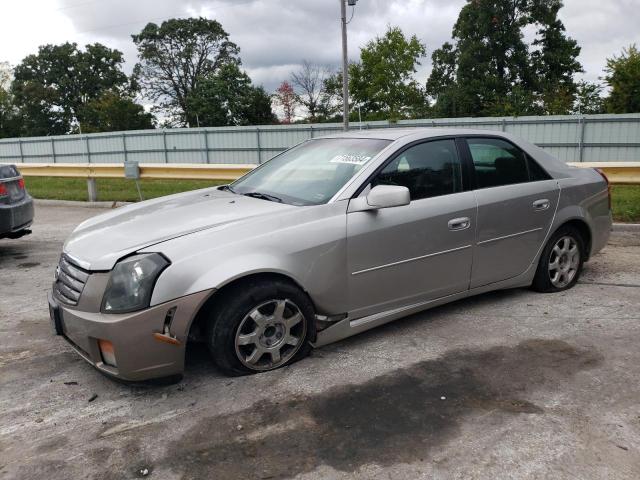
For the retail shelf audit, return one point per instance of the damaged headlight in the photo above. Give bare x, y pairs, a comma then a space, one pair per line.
131, 283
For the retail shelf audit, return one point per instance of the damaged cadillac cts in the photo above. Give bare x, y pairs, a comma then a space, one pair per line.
331, 238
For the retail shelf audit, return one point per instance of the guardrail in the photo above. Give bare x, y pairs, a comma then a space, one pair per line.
618, 173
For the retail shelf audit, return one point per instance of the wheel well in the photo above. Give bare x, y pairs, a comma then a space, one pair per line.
197, 326
584, 231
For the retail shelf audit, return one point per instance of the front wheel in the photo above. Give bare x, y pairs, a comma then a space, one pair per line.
561, 261
261, 326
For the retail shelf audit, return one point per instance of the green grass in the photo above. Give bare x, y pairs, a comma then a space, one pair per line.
110, 189
625, 201
626, 198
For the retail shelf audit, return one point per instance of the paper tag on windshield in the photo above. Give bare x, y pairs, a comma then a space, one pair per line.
350, 159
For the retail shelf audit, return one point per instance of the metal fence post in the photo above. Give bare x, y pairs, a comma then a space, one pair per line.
164, 143
53, 149
258, 145
86, 143
504, 124
311, 130
20, 148
124, 147
206, 146
581, 144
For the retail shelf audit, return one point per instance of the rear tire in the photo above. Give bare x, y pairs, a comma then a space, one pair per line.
561, 261
260, 325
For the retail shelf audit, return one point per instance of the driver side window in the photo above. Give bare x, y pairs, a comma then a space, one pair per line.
428, 169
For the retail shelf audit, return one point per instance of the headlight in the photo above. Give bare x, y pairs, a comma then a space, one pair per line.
131, 283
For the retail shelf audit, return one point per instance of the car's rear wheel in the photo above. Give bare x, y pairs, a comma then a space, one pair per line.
561, 261
260, 326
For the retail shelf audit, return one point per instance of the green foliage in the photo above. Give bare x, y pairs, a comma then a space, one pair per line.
114, 112
490, 70
623, 77
588, 99
9, 122
175, 57
382, 82
228, 98
52, 88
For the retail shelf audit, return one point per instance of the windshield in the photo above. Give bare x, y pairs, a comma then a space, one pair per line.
311, 173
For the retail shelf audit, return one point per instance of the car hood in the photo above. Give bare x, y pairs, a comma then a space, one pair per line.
98, 243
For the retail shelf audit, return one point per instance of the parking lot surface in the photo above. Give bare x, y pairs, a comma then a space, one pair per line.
511, 384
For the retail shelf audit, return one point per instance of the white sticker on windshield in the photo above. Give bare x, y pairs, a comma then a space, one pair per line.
351, 159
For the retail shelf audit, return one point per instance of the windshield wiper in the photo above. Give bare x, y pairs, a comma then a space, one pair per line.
263, 196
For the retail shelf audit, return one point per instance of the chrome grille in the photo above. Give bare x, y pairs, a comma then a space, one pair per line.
70, 281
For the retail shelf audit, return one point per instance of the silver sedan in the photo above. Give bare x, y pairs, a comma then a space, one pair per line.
328, 239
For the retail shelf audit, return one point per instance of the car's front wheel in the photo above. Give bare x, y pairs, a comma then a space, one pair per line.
561, 261
260, 326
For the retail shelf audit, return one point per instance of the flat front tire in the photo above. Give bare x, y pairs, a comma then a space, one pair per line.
561, 261
260, 325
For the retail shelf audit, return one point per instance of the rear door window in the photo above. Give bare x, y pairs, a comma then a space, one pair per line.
498, 162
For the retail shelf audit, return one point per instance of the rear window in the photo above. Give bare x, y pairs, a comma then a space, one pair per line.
8, 171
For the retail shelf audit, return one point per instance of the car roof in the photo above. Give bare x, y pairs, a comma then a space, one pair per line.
395, 133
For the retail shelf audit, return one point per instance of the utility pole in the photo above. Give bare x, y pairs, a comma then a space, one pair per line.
345, 65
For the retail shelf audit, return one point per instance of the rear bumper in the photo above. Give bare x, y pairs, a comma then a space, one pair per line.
16, 217
139, 354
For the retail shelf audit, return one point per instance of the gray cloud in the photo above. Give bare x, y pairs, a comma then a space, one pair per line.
274, 35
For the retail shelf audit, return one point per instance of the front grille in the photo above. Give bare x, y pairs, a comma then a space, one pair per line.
70, 281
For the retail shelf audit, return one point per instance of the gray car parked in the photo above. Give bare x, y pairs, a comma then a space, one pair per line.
331, 238
16, 206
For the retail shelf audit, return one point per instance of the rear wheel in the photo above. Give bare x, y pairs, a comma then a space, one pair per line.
561, 261
260, 326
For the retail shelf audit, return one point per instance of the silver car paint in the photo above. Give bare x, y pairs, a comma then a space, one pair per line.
372, 267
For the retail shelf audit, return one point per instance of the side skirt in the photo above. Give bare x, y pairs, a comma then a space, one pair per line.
349, 327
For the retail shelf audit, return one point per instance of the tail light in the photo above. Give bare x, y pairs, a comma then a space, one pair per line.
3, 190
21, 183
608, 185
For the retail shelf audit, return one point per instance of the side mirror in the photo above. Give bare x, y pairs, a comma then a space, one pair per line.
382, 196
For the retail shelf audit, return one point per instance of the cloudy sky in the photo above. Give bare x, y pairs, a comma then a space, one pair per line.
274, 35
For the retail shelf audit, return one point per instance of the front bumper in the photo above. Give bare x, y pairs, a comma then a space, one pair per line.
16, 217
138, 352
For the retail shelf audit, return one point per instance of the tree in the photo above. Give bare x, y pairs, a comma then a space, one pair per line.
489, 69
554, 59
175, 57
52, 88
285, 97
9, 125
114, 112
588, 98
228, 98
623, 77
310, 81
382, 82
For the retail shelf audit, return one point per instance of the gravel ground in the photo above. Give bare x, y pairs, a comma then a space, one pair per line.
511, 384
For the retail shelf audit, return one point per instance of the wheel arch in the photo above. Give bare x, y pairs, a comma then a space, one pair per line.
581, 225
200, 318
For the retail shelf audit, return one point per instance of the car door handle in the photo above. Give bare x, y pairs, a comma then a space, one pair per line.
540, 205
459, 223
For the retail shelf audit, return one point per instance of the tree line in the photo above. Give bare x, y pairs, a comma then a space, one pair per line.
191, 73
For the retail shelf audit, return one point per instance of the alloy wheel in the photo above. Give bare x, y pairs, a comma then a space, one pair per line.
270, 334
564, 261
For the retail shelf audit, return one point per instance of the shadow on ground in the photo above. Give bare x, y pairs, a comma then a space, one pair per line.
390, 419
